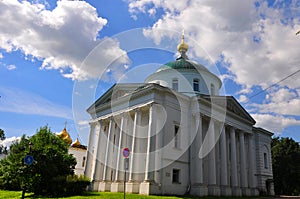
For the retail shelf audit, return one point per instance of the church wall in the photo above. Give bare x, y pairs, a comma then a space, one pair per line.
185, 81
264, 164
80, 155
175, 188
170, 111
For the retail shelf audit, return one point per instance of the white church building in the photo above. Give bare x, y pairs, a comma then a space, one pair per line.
183, 137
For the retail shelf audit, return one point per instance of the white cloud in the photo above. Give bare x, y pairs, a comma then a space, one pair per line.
259, 50
83, 122
243, 98
282, 95
280, 101
8, 141
274, 123
61, 38
19, 101
1, 55
11, 67
255, 42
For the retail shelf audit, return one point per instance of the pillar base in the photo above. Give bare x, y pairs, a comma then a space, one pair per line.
246, 191
149, 188
104, 186
132, 187
225, 190
94, 185
117, 187
213, 190
199, 190
236, 191
254, 192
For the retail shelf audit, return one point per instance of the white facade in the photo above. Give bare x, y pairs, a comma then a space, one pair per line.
182, 139
208, 83
80, 155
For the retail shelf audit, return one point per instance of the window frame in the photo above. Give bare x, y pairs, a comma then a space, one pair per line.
266, 163
212, 89
176, 136
176, 172
175, 84
196, 85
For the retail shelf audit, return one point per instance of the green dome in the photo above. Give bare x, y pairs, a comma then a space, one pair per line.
182, 63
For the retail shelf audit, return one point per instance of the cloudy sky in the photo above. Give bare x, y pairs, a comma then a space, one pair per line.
56, 57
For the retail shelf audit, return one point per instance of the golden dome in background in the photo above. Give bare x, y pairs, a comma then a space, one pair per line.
76, 143
65, 136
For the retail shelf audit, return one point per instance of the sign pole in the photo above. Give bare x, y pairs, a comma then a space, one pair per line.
125, 185
126, 153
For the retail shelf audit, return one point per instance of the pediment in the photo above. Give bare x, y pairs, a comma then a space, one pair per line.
114, 93
232, 106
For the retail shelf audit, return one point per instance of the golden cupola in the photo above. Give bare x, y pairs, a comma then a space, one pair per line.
182, 47
65, 136
76, 143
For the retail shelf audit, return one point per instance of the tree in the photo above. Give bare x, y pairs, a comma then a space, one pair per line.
47, 175
2, 135
286, 166
3, 150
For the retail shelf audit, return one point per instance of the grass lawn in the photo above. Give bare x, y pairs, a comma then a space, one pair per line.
104, 195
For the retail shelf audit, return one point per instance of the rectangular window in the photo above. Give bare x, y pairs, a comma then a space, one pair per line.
83, 161
176, 176
176, 137
196, 85
114, 143
265, 160
175, 84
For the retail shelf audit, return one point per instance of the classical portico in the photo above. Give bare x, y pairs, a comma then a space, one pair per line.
182, 138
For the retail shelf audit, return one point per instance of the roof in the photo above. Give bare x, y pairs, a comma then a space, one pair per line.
232, 106
182, 63
77, 144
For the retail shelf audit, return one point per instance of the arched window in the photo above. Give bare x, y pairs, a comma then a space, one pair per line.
196, 84
175, 84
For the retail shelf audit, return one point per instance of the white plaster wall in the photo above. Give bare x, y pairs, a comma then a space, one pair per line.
80, 155
185, 80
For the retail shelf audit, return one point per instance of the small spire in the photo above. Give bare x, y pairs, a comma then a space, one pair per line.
182, 47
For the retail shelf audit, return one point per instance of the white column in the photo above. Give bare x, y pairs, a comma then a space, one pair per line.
119, 158
242, 160
212, 180
234, 180
137, 119
96, 158
159, 122
198, 161
251, 156
223, 154
89, 160
151, 130
111, 126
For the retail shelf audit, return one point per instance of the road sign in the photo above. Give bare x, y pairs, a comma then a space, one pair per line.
126, 152
28, 159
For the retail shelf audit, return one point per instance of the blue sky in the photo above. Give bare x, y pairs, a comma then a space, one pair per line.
56, 57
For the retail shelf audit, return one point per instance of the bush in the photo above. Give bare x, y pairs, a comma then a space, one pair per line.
76, 185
